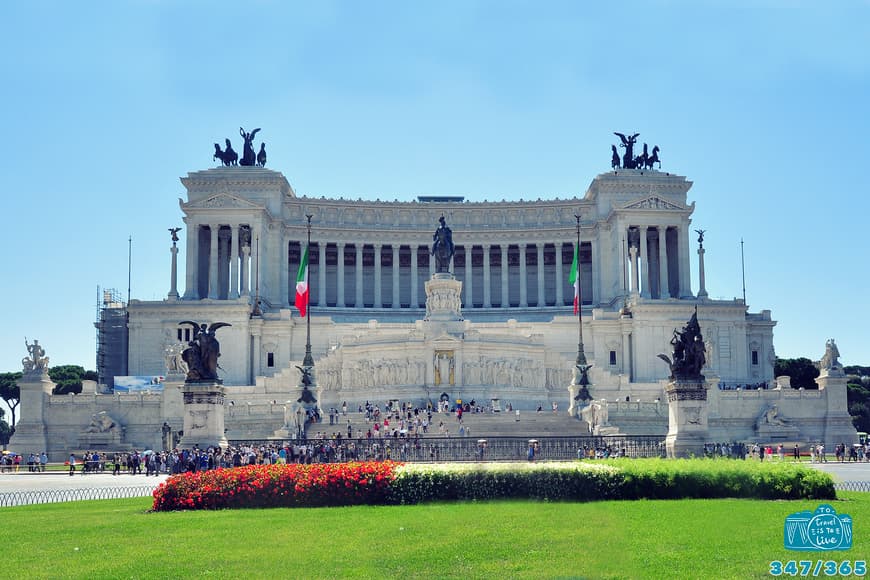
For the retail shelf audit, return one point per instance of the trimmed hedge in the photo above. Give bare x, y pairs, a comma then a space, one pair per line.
393, 483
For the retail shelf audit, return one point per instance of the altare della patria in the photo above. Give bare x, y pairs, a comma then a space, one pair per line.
556, 317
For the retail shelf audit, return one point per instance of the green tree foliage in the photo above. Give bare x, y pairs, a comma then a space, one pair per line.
68, 378
10, 392
858, 397
802, 371
5, 430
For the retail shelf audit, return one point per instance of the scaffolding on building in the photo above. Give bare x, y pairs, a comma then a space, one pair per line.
112, 337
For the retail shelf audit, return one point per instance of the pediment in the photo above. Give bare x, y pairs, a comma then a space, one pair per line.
654, 202
221, 201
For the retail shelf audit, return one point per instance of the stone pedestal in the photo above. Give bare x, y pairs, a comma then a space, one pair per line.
30, 432
443, 298
687, 418
838, 423
203, 415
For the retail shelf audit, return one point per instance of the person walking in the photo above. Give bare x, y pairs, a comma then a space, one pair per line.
72, 464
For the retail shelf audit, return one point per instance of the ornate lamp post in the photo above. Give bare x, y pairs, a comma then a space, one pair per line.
581, 365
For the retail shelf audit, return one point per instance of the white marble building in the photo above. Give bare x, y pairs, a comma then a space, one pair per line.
516, 338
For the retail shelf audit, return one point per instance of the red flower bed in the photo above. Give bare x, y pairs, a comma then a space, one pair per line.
293, 485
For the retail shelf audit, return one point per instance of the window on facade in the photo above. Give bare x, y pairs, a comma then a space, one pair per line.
613, 358
179, 334
755, 357
270, 359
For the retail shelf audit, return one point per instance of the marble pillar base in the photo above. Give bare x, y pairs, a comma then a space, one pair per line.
30, 432
443, 298
203, 415
687, 418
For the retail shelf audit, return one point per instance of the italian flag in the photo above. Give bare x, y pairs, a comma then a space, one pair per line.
302, 285
575, 278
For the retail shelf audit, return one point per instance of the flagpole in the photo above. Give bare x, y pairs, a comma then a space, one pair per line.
581, 356
308, 361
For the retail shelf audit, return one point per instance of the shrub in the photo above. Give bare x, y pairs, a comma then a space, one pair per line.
388, 482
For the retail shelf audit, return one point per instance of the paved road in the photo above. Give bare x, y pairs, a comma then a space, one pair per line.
28, 488
845, 471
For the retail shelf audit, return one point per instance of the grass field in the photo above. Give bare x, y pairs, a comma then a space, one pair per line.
518, 539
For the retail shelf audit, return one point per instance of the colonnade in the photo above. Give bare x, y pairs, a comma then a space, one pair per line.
392, 276
223, 264
658, 259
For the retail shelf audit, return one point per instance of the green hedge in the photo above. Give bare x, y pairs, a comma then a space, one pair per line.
609, 480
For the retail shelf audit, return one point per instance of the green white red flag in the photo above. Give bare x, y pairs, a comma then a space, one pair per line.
302, 285
574, 279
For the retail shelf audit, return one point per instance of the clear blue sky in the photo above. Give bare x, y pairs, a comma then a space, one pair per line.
764, 105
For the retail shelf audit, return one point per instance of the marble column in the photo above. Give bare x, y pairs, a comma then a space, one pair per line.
340, 298
192, 263
321, 274
702, 287
246, 268
644, 263
469, 295
542, 299
524, 281
255, 261
234, 263
213, 262
663, 263
173, 273
224, 240
378, 302
685, 267
415, 275
596, 270
358, 276
487, 277
397, 303
632, 251
505, 297
284, 271
560, 291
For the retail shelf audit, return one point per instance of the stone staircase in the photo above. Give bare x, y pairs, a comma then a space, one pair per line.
479, 425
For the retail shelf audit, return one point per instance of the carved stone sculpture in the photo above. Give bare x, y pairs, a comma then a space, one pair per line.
37, 362
829, 361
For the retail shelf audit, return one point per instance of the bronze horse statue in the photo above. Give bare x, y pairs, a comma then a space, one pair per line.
228, 157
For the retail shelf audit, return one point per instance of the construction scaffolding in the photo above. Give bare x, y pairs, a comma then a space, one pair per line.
112, 337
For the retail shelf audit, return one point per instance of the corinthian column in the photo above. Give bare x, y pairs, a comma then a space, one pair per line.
213, 262
340, 298
191, 280
542, 299
396, 302
234, 264
378, 301
663, 263
505, 296
487, 277
358, 275
415, 300
524, 282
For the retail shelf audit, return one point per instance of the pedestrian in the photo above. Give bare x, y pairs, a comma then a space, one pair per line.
72, 464
797, 453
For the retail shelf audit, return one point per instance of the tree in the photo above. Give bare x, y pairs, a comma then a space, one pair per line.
802, 371
10, 392
5, 430
67, 378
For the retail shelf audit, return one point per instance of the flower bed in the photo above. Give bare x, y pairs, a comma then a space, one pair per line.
388, 482
292, 485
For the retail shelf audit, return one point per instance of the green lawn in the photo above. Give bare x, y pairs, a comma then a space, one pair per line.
520, 539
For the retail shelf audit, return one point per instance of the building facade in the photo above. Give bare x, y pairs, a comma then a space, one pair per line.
513, 338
